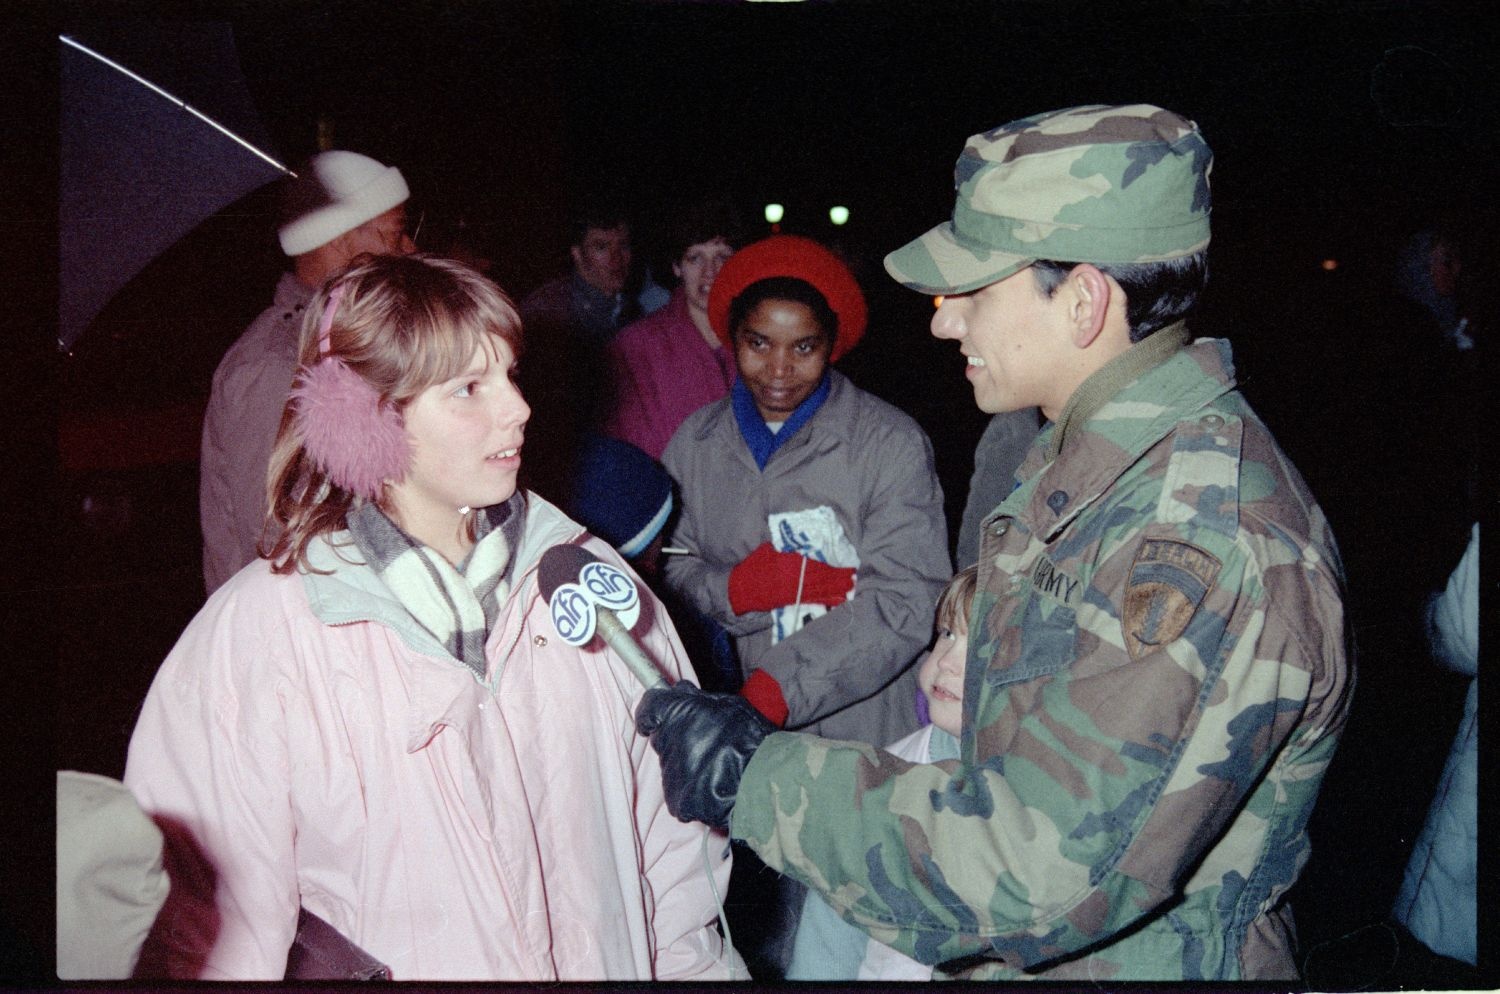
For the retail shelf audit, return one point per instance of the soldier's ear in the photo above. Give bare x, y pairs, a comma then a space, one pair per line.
1088, 295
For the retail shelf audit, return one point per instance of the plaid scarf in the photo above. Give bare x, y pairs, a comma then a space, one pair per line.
456, 605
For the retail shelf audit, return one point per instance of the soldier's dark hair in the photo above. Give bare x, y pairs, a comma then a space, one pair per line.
702, 222
783, 288
1156, 293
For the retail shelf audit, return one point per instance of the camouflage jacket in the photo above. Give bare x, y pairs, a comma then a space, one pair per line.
1157, 679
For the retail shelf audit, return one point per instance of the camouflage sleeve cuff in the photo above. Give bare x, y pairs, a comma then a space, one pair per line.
781, 769
753, 818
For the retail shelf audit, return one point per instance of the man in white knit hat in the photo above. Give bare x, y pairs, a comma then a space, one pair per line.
341, 204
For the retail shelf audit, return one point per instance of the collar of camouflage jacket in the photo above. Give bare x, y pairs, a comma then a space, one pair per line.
1111, 439
1114, 376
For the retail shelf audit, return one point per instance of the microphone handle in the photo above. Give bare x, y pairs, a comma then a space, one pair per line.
627, 648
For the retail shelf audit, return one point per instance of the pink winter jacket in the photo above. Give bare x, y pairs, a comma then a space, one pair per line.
317, 747
663, 371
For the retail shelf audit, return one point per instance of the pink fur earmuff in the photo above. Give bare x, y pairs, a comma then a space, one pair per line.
354, 437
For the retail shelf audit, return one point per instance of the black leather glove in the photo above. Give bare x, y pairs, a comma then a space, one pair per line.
705, 741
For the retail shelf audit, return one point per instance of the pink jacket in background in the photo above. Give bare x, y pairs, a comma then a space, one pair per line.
321, 749
663, 371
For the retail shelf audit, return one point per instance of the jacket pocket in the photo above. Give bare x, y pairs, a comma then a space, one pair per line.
1047, 637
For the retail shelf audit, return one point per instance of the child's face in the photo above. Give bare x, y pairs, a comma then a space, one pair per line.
942, 679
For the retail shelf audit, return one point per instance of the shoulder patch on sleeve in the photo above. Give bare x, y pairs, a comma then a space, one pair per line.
1168, 580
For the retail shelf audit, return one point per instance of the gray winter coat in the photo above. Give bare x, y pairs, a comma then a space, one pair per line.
848, 674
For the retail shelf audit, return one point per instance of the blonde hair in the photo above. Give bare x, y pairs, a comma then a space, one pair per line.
404, 323
957, 600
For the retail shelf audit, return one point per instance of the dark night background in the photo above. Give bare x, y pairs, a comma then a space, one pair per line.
1339, 129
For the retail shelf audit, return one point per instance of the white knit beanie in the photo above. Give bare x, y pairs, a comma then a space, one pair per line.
351, 189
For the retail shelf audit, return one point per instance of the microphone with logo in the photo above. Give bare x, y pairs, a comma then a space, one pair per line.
587, 596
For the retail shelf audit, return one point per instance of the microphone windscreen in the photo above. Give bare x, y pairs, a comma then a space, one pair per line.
559, 565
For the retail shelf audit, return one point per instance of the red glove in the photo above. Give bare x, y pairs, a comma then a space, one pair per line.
767, 579
764, 693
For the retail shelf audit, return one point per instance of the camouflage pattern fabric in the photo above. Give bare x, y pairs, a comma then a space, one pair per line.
1099, 184
1156, 682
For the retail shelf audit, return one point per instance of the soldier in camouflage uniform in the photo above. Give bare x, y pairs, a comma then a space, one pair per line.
1157, 673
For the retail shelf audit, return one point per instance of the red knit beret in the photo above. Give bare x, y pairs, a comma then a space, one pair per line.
791, 255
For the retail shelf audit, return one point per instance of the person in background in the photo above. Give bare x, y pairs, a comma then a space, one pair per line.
569, 321
670, 363
626, 498
623, 496
1429, 272
590, 300
1158, 670
1438, 898
799, 481
827, 947
378, 723
111, 882
340, 204
812, 528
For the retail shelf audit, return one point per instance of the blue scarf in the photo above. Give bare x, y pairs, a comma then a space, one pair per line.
761, 440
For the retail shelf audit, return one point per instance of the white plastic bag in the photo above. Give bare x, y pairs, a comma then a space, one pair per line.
816, 534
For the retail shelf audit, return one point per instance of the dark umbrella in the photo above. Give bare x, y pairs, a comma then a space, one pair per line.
139, 168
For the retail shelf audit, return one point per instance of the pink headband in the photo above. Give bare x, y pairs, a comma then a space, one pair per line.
335, 296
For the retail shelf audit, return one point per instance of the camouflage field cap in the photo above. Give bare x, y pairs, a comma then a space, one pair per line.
1100, 184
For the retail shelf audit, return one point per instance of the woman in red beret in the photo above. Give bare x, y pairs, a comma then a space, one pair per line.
812, 517
811, 513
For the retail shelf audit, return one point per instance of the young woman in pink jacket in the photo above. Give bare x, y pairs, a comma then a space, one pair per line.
377, 722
